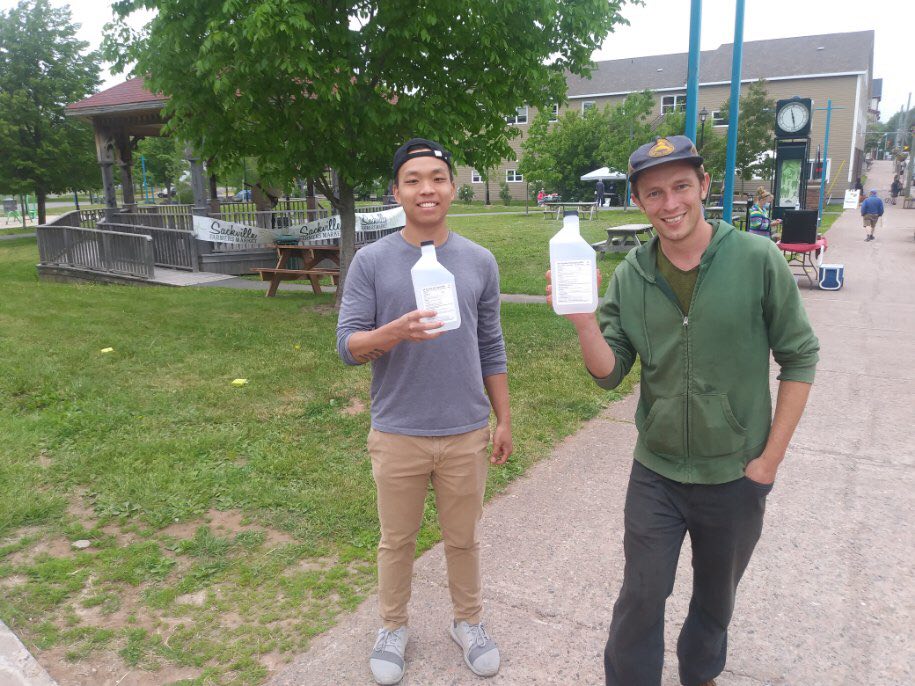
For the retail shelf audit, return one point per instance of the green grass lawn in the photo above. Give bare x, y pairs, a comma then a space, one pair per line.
228, 525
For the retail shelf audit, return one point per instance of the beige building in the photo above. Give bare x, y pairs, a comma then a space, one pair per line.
837, 66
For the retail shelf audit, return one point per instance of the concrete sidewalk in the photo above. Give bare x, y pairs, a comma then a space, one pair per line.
828, 598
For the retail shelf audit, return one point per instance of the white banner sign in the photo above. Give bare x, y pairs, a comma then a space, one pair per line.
218, 231
851, 199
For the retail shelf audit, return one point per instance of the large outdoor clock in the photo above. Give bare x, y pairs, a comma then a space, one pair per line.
792, 118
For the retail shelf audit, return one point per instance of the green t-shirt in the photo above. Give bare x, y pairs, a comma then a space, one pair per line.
681, 283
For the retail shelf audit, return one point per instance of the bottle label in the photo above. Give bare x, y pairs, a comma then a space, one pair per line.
572, 282
440, 298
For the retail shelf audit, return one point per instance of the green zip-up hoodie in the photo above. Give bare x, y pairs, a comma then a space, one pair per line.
705, 408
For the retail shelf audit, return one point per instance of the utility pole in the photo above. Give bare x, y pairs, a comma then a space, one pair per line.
692, 70
907, 135
730, 165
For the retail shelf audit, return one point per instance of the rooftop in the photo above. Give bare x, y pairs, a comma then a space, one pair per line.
804, 56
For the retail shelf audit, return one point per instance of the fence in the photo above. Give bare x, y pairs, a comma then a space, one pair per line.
96, 250
171, 248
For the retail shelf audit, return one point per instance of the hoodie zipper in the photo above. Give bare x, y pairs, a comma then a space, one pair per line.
686, 393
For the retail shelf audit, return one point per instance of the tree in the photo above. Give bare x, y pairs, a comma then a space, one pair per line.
164, 159
43, 68
754, 138
557, 155
309, 86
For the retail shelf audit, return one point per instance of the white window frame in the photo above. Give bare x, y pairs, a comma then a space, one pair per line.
554, 112
475, 176
512, 176
518, 117
587, 105
677, 103
811, 163
718, 119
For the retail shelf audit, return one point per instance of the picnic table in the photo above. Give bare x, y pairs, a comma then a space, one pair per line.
312, 256
622, 238
805, 256
551, 209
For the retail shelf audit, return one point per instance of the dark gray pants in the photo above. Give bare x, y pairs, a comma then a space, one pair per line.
724, 523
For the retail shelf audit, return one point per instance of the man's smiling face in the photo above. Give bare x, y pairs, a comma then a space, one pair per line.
671, 195
425, 189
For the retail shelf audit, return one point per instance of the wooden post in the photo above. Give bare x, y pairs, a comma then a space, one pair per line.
105, 148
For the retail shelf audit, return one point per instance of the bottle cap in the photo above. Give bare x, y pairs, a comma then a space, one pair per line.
570, 213
427, 243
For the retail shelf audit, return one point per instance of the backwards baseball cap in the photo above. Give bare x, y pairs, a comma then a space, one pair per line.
873, 191
663, 151
419, 147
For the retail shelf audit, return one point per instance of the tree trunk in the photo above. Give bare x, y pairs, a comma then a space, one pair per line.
41, 198
214, 195
346, 205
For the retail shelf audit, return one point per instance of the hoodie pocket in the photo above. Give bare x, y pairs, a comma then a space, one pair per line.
713, 428
662, 431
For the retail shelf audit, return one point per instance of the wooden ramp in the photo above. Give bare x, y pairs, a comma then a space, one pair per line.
177, 277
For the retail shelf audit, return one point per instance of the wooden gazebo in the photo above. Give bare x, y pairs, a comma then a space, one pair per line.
120, 116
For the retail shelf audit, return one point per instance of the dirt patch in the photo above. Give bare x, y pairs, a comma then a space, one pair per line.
108, 670
232, 522
356, 406
78, 510
11, 581
55, 547
197, 599
322, 309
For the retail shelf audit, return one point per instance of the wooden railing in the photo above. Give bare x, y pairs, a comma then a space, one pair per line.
97, 250
171, 248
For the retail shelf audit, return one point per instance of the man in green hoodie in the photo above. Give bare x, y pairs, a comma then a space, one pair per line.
702, 305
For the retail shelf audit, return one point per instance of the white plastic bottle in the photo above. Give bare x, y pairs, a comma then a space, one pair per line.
434, 288
573, 269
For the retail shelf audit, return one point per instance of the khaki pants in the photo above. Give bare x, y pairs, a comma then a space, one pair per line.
403, 467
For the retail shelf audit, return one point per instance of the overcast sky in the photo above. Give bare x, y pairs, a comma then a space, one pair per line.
662, 27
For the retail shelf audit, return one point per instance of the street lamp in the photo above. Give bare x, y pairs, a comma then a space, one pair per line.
703, 115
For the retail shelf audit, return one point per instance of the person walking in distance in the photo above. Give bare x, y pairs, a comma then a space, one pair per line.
703, 305
431, 393
871, 211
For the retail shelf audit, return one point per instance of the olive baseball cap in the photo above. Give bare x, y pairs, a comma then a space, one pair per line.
419, 147
663, 151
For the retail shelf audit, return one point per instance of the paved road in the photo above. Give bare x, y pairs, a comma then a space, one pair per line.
828, 599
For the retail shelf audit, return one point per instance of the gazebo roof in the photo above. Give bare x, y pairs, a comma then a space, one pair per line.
130, 96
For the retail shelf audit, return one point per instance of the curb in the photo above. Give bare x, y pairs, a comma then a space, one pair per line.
17, 666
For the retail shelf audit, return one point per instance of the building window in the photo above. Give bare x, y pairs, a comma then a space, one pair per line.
512, 176
587, 105
719, 118
475, 176
814, 173
554, 112
673, 103
520, 116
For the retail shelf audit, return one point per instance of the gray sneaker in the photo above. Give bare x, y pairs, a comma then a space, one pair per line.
387, 660
480, 652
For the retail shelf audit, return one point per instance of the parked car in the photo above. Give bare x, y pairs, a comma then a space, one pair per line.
243, 195
165, 194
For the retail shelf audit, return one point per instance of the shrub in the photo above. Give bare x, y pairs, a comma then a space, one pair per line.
465, 193
505, 193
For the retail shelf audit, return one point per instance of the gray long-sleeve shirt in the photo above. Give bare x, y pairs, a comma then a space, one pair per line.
430, 388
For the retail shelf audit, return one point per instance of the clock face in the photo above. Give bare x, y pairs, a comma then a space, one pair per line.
792, 117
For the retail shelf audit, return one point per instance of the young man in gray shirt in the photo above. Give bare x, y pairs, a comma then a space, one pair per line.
430, 411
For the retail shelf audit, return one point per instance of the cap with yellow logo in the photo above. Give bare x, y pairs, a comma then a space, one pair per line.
663, 151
